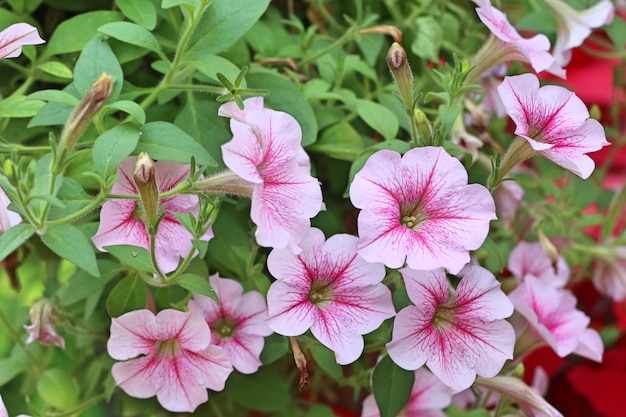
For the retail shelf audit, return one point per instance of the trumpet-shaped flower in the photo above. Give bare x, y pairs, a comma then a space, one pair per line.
529, 259
15, 36
429, 396
121, 221
8, 218
457, 338
554, 121
4, 412
177, 364
329, 289
553, 319
237, 323
41, 329
266, 151
419, 208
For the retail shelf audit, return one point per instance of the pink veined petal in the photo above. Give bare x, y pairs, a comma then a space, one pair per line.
8, 218
189, 329
119, 227
251, 315
428, 393
169, 174
173, 241
289, 310
15, 36
243, 153
528, 258
410, 334
346, 346
426, 289
138, 377
231, 110
590, 345
243, 351
479, 295
133, 334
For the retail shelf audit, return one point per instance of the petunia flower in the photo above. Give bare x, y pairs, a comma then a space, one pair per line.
41, 329
429, 396
554, 122
176, 362
529, 259
121, 221
554, 320
419, 208
4, 412
610, 274
266, 152
8, 218
457, 337
237, 323
329, 289
507, 196
575, 25
15, 36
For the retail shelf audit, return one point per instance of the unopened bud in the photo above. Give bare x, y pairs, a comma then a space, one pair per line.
549, 249
145, 180
399, 66
422, 123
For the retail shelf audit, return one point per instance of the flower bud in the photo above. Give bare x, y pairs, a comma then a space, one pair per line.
226, 182
41, 314
549, 249
145, 180
399, 66
422, 123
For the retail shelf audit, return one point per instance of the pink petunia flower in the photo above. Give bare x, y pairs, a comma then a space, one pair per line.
459, 337
610, 275
266, 151
8, 218
553, 320
507, 196
554, 121
15, 36
529, 259
429, 397
177, 363
237, 323
419, 208
575, 25
329, 289
121, 221
4, 412
41, 329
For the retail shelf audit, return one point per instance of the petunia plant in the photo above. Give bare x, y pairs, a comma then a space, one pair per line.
323, 208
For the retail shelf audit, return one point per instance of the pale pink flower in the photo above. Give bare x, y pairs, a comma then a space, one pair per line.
490, 80
510, 45
329, 289
4, 412
507, 196
15, 36
237, 323
41, 329
121, 222
459, 337
177, 361
554, 320
529, 259
554, 121
429, 397
610, 275
576, 25
461, 137
266, 151
419, 208
8, 218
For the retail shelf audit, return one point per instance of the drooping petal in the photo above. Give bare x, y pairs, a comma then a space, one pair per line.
15, 36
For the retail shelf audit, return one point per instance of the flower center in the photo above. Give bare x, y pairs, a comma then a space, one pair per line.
412, 215
444, 317
224, 328
321, 292
168, 348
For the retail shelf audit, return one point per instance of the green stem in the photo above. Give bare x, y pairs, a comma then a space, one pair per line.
155, 264
182, 268
18, 340
197, 87
79, 408
346, 37
518, 151
67, 219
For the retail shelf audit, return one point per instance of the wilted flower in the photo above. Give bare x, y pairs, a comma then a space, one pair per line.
329, 289
177, 361
41, 314
237, 323
15, 36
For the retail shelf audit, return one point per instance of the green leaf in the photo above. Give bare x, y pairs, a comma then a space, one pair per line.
132, 34
428, 39
58, 389
55, 96
128, 295
166, 4
495, 261
378, 117
264, 390
57, 69
340, 141
162, 140
131, 108
222, 24
133, 256
96, 58
83, 285
392, 387
113, 146
11, 367
326, 360
276, 346
617, 32
13, 238
448, 115
19, 106
210, 65
285, 96
142, 12
72, 196
69, 243
65, 37
197, 284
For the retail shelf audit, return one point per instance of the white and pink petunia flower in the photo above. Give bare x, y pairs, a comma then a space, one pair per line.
15, 36
507, 196
529, 259
121, 222
429, 397
4, 412
177, 361
510, 45
8, 218
419, 208
266, 151
459, 337
554, 121
576, 25
329, 289
610, 275
237, 323
554, 320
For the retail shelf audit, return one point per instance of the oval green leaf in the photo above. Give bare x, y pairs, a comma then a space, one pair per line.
70, 243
